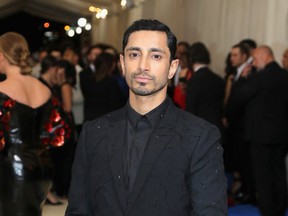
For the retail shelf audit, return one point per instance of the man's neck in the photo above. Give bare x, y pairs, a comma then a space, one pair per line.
144, 104
198, 66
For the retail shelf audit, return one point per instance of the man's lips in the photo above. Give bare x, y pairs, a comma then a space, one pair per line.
142, 79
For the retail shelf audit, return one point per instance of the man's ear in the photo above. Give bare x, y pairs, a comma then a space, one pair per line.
122, 63
173, 68
1, 56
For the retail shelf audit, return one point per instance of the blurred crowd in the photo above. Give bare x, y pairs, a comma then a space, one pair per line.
249, 105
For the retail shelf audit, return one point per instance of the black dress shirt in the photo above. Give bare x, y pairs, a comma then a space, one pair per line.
139, 129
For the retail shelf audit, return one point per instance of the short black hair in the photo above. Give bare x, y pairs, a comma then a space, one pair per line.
249, 42
48, 62
243, 49
199, 53
151, 25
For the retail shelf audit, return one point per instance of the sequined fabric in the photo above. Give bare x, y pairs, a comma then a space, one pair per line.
26, 169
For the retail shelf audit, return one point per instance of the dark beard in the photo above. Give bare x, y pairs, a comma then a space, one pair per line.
142, 91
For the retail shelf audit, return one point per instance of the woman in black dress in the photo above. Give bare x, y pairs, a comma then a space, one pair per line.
30, 124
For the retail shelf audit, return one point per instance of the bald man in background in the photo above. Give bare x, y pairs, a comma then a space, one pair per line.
265, 100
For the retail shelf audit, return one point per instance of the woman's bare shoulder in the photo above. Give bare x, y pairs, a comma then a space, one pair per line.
29, 91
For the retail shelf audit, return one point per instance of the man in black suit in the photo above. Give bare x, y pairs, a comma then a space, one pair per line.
205, 90
265, 100
236, 147
148, 158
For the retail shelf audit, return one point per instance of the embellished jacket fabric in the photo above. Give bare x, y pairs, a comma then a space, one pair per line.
181, 172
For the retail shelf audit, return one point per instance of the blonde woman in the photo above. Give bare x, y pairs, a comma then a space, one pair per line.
29, 124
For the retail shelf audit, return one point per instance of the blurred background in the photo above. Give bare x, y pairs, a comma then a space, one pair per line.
218, 23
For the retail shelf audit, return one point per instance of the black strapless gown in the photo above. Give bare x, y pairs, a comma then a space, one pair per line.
26, 168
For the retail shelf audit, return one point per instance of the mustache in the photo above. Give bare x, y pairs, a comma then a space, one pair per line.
142, 73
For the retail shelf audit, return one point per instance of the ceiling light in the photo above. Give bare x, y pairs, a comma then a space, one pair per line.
71, 33
123, 3
78, 30
88, 27
82, 22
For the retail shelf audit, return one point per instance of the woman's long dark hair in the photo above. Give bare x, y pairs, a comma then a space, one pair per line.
70, 72
104, 65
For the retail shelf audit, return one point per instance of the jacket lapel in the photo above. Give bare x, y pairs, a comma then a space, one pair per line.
116, 135
157, 142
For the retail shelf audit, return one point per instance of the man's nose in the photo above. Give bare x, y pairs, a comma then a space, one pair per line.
144, 64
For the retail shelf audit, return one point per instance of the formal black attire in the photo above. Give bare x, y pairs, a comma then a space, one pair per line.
181, 171
236, 151
205, 95
26, 168
265, 100
100, 97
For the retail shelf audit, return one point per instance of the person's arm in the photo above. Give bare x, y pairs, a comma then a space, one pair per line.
207, 181
228, 88
78, 193
66, 93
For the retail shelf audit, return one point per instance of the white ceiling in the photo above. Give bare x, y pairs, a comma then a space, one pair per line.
65, 11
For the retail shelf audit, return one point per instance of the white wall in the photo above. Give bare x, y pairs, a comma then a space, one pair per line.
218, 23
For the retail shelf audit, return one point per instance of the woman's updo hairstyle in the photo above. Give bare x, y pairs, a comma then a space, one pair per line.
15, 48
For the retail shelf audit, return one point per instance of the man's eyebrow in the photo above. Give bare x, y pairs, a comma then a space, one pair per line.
133, 48
157, 50
150, 50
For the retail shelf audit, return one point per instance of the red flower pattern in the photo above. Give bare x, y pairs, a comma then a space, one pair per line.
57, 129
9, 103
5, 117
55, 116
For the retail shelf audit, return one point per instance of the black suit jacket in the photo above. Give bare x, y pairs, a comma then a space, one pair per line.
264, 97
205, 94
181, 172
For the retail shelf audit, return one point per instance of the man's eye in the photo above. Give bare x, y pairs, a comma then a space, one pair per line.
133, 55
157, 56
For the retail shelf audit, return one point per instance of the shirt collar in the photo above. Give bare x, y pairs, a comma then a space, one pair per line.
239, 71
153, 117
198, 67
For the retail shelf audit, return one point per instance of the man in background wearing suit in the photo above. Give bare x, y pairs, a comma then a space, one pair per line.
242, 189
205, 90
265, 100
148, 158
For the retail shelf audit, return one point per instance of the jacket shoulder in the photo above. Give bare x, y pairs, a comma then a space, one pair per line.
191, 123
105, 120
